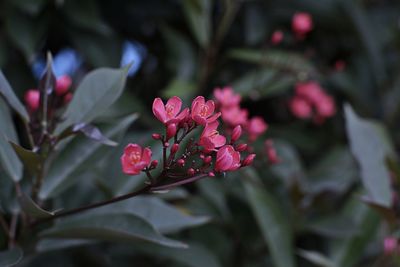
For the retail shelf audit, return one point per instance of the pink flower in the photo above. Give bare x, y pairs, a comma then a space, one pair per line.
234, 116
226, 97
302, 24
390, 245
227, 159
325, 106
277, 37
135, 159
202, 111
236, 133
272, 155
210, 137
169, 113
300, 107
311, 91
32, 99
255, 127
63, 84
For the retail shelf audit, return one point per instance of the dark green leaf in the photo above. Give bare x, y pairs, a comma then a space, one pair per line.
98, 90
116, 228
93, 133
9, 159
370, 147
12, 99
30, 159
198, 14
10, 257
274, 226
317, 258
33, 209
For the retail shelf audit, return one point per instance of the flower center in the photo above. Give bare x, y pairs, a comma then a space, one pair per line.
203, 111
135, 157
170, 110
213, 134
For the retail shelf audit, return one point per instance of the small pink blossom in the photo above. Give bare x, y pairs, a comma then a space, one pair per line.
169, 113
272, 155
236, 133
248, 160
32, 99
210, 138
255, 127
227, 159
277, 37
135, 159
300, 107
62, 85
203, 112
234, 116
302, 24
390, 245
226, 97
325, 106
311, 91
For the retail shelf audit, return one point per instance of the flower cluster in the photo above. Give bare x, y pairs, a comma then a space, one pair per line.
187, 155
311, 101
302, 24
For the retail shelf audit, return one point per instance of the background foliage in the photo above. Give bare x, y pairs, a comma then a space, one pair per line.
309, 210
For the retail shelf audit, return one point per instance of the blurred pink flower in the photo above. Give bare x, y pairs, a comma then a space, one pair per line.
277, 37
300, 107
32, 99
227, 159
255, 127
234, 116
62, 85
301, 24
226, 97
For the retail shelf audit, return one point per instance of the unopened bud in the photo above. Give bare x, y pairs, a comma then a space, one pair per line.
241, 147
181, 162
63, 84
154, 163
202, 156
211, 174
207, 159
248, 160
171, 130
156, 136
174, 148
191, 172
236, 133
32, 99
166, 144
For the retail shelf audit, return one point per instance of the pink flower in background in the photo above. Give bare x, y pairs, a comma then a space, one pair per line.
248, 160
270, 150
32, 99
300, 107
62, 85
210, 138
255, 127
135, 159
227, 159
203, 112
234, 116
311, 91
169, 113
390, 245
325, 106
226, 97
302, 24
277, 37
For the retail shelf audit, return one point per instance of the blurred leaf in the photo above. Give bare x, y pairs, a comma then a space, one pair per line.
93, 133
256, 26
10, 257
30, 159
9, 159
317, 258
370, 148
97, 91
198, 14
76, 155
55, 244
116, 228
32, 209
32, 7
214, 191
176, 87
333, 226
12, 99
273, 224
388, 213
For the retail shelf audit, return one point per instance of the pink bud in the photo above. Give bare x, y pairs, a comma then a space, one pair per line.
207, 159
166, 144
241, 147
156, 136
171, 130
181, 162
174, 148
236, 133
211, 174
302, 24
191, 172
248, 160
63, 84
32, 99
154, 163
277, 37
202, 156
68, 98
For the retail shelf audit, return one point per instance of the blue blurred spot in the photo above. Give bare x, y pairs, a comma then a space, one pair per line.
133, 52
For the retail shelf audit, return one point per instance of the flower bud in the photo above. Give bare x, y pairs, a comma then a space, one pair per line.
181, 162
156, 136
248, 160
32, 99
241, 147
191, 172
207, 159
211, 174
166, 144
236, 133
154, 164
171, 130
174, 148
62, 85
202, 156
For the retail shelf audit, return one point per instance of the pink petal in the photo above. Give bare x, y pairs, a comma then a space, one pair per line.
146, 156
214, 117
219, 140
210, 107
176, 104
159, 110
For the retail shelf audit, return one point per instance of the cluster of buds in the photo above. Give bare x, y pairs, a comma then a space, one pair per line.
187, 156
61, 90
311, 101
302, 24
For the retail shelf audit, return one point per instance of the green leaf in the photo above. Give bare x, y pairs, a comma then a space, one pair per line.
33, 209
93, 133
32, 7
12, 99
10, 257
370, 148
317, 258
9, 159
198, 13
77, 154
98, 90
30, 159
116, 228
274, 226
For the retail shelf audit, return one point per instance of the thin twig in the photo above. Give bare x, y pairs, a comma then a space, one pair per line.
12, 230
